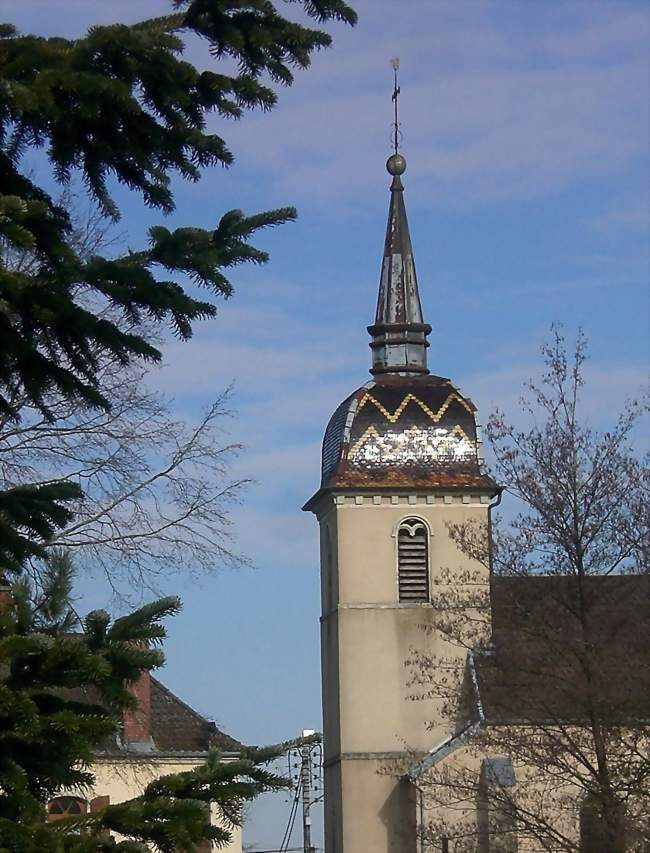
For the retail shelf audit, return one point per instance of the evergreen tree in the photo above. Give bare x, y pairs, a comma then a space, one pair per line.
122, 104
48, 736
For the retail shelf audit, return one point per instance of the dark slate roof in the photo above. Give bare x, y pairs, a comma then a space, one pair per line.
399, 334
398, 301
532, 672
405, 431
177, 727
535, 669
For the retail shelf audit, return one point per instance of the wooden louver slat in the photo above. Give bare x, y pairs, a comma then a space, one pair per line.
413, 561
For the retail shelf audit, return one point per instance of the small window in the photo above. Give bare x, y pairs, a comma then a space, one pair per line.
413, 560
496, 815
61, 807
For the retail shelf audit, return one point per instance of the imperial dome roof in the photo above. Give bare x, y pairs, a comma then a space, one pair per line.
405, 431
405, 428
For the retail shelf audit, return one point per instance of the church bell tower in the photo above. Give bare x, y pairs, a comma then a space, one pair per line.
401, 461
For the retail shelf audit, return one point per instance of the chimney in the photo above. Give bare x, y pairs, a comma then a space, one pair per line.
6, 599
136, 723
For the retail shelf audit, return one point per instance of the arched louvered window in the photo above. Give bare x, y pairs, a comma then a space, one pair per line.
413, 560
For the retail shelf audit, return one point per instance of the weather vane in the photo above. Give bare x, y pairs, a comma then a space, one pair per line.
397, 134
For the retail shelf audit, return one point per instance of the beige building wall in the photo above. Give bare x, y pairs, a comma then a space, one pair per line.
451, 797
371, 720
452, 802
125, 778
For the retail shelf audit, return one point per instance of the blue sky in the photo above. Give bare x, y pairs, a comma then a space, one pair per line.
526, 133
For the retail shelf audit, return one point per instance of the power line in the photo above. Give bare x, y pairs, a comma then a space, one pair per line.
286, 838
293, 820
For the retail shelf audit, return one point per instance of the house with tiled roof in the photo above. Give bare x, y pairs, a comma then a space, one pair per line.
164, 735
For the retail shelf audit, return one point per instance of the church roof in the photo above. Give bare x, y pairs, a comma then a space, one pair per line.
532, 672
399, 333
534, 669
406, 428
398, 301
405, 431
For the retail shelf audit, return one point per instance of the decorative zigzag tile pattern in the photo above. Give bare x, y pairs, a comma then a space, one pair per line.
404, 431
393, 417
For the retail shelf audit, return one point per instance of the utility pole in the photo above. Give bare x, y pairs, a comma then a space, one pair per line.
305, 762
305, 779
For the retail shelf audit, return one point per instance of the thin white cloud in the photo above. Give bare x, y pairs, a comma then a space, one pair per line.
499, 100
626, 211
491, 111
607, 389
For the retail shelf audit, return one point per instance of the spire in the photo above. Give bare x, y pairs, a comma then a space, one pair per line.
399, 335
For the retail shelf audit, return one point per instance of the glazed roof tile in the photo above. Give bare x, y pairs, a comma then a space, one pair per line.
405, 431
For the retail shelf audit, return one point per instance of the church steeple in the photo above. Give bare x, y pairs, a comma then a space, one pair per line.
402, 462
399, 334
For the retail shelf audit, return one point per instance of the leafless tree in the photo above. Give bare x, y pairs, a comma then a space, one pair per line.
157, 489
555, 684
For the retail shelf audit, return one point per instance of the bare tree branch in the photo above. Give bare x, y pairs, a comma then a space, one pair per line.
157, 490
565, 680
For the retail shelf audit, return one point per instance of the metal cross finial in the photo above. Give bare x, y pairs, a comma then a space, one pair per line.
396, 90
